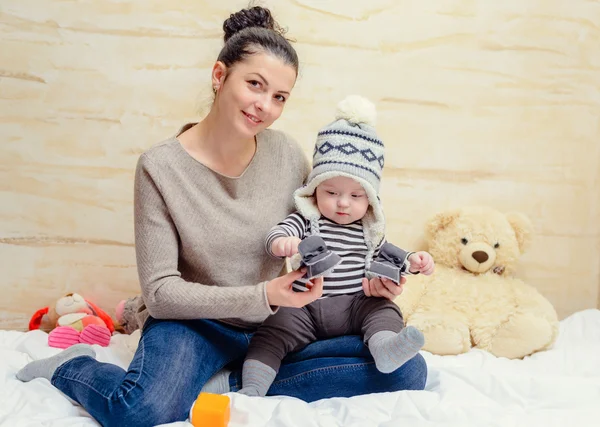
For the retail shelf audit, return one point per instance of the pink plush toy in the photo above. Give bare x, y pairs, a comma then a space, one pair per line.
73, 320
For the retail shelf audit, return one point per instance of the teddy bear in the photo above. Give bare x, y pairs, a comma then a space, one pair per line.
73, 320
473, 299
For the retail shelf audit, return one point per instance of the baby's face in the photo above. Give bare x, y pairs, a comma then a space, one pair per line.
342, 200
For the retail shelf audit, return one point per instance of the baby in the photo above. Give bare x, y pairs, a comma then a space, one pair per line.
338, 231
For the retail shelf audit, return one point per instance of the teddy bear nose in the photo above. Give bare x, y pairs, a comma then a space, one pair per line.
480, 256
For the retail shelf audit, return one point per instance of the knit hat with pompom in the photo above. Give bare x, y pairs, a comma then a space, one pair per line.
350, 147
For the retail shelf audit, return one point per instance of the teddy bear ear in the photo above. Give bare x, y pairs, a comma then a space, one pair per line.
523, 229
441, 221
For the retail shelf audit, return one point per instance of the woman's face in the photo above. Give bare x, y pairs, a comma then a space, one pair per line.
253, 92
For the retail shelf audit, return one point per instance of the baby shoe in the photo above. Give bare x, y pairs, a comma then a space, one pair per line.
318, 260
391, 263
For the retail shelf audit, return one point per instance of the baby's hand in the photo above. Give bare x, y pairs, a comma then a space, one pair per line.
285, 246
421, 262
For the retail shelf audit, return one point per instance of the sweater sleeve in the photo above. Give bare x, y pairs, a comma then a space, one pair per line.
166, 295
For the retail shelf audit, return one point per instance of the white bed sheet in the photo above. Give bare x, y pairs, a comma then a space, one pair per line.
559, 387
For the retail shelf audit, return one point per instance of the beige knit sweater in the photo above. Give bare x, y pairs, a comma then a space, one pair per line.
199, 235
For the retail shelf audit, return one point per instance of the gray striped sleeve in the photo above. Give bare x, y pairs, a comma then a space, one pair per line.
293, 225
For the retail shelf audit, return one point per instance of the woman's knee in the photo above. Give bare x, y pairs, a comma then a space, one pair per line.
173, 340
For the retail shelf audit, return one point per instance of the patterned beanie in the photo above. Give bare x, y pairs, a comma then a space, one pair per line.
350, 147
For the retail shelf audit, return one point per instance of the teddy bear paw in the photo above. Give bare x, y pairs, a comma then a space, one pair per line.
443, 335
523, 335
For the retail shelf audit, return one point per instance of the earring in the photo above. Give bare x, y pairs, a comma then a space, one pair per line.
215, 90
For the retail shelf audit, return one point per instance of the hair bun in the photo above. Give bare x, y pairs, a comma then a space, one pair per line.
252, 17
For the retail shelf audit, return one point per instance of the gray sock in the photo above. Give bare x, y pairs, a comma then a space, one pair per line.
44, 368
391, 350
218, 383
256, 378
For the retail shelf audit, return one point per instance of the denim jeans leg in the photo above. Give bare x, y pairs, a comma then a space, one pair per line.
173, 361
340, 367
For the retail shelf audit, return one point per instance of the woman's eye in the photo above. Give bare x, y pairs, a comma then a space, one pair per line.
464, 241
280, 98
254, 83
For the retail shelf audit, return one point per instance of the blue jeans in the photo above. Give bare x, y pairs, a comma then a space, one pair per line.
174, 360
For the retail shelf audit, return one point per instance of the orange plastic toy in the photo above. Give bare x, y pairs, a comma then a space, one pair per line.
210, 410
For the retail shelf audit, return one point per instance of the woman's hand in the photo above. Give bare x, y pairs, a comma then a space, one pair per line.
280, 292
382, 287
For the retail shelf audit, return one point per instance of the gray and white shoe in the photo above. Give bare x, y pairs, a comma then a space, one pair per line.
391, 263
316, 257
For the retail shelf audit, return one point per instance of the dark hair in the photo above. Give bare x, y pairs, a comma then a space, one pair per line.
252, 30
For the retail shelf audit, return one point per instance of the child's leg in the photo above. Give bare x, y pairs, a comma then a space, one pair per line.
288, 330
382, 326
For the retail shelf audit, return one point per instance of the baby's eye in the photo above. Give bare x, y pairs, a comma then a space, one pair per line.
331, 193
357, 196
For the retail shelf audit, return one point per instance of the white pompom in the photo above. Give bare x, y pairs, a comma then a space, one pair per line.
357, 109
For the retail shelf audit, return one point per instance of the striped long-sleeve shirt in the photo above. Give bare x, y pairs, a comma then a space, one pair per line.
345, 240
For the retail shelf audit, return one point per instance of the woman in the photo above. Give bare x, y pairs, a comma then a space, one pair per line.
204, 201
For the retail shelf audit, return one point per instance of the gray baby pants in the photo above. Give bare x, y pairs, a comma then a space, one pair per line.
291, 329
